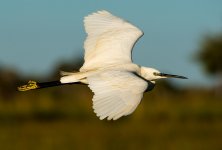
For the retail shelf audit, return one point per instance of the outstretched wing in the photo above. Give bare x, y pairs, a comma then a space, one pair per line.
110, 40
116, 93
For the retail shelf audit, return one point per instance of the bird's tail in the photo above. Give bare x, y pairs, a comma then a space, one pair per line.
31, 85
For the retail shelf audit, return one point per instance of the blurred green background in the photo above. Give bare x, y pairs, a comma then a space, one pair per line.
169, 117
39, 38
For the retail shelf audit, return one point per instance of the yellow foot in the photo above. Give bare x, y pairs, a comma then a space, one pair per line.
29, 86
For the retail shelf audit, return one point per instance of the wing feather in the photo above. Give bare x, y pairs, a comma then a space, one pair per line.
116, 93
110, 40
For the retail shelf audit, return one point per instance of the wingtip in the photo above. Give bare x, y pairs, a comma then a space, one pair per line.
97, 13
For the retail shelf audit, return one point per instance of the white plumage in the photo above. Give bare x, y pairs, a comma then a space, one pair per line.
117, 83
109, 42
117, 93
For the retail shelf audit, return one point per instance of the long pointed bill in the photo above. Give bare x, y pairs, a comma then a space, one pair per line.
172, 76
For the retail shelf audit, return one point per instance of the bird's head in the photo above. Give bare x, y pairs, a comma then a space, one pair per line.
152, 74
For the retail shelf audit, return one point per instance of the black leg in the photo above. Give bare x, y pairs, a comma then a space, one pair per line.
31, 85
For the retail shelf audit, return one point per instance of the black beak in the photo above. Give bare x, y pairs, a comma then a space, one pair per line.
171, 76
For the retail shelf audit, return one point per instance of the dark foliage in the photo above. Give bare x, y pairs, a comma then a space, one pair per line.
210, 54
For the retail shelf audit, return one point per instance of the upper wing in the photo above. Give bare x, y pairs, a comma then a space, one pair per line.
117, 93
110, 40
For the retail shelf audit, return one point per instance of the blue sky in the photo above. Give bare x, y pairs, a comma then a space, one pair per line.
36, 35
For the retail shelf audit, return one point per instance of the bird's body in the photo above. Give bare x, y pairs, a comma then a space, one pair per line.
81, 76
118, 83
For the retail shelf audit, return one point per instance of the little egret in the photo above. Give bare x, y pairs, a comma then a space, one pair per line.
117, 83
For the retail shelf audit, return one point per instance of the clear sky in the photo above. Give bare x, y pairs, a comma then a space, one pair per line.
36, 34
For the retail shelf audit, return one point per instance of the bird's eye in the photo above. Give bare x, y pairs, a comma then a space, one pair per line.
155, 74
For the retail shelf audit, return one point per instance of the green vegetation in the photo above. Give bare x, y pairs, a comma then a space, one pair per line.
210, 54
62, 118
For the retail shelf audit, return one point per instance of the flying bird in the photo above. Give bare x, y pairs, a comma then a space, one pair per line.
118, 84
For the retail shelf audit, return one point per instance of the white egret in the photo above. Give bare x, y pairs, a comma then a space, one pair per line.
118, 84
